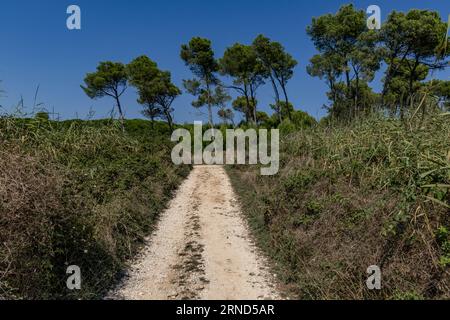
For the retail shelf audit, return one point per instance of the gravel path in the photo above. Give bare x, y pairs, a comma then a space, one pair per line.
201, 248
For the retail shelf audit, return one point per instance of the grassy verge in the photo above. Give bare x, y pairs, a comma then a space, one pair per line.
77, 193
372, 193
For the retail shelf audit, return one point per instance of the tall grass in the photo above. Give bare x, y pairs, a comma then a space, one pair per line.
375, 191
77, 193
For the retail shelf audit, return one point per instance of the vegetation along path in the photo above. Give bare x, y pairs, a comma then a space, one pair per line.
201, 248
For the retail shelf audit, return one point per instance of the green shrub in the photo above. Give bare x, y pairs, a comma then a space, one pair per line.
443, 240
352, 195
286, 127
77, 193
302, 120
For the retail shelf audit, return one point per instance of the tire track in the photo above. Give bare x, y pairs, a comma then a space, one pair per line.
201, 248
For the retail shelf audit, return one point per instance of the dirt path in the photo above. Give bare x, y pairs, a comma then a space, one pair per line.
201, 248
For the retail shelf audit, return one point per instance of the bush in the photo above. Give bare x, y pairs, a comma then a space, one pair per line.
42, 116
300, 120
77, 193
286, 127
349, 196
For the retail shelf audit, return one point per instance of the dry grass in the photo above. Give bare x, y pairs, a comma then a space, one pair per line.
347, 197
76, 193
30, 197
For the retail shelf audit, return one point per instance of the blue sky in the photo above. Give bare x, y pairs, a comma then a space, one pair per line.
37, 48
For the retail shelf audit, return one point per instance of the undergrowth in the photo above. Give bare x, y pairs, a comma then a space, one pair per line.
374, 192
79, 193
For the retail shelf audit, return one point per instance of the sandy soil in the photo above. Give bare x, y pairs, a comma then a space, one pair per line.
201, 248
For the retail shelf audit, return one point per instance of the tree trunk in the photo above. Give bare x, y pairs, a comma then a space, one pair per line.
283, 86
390, 73
249, 107
347, 76
386, 84
252, 94
210, 115
169, 120
282, 83
333, 91
409, 99
121, 116
277, 97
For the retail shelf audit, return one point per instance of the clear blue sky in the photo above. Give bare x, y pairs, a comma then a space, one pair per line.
37, 48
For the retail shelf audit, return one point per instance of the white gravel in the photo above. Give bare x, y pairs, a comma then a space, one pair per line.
201, 248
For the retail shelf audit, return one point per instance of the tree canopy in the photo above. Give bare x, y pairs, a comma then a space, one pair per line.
155, 88
110, 79
241, 63
348, 59
279, 66
410, 45
199, 57
413, 44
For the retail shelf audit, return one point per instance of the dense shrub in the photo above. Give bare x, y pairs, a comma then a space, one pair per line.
300, 120
374, 192
77, 193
